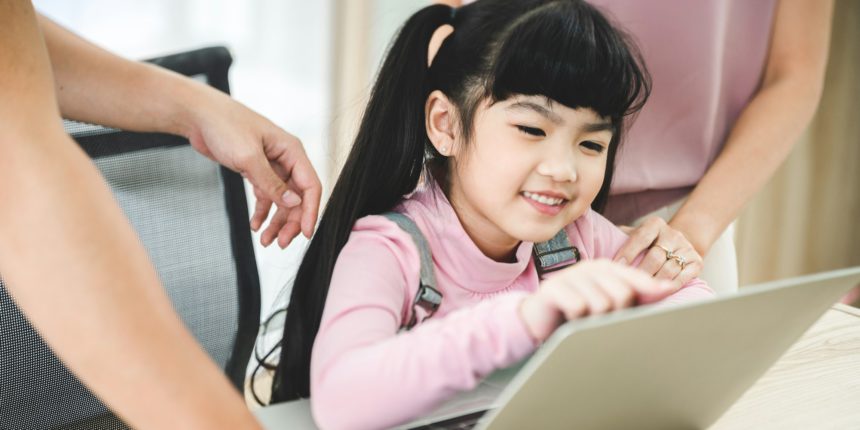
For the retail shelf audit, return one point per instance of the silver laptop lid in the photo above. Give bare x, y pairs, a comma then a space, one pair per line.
672, 367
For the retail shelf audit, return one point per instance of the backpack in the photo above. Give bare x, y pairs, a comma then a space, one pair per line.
554, 254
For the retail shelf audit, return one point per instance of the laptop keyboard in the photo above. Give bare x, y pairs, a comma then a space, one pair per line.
462, 422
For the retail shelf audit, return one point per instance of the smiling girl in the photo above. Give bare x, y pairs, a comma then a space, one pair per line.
514, 125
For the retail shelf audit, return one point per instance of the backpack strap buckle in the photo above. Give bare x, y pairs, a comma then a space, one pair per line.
555, 254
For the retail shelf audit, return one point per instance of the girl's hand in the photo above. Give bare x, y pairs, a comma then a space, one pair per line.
589, 288
660, 239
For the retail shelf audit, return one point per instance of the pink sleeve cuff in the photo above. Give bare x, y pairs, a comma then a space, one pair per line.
508, 311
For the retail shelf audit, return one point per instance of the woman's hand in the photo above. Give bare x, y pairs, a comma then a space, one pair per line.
96, 86
669, 256
588, 288
273, 161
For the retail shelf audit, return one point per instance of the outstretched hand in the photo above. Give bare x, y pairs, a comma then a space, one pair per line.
591, 287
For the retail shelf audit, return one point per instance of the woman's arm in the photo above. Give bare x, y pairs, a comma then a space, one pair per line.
95, 86
759, 142
75, 267
768, 127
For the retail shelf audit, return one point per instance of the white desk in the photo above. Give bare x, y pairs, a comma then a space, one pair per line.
815, 385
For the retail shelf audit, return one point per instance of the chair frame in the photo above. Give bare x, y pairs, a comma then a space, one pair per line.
214, 63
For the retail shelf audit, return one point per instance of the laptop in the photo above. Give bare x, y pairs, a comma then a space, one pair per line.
650, 367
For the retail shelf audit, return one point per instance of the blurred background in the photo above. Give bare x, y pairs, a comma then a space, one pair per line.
308, 66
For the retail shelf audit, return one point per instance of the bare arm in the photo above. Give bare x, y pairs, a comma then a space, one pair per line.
75, 267
768, 127
96, 86
759, 142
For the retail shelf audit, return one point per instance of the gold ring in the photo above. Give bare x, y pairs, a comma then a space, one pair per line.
680, 260
670, 255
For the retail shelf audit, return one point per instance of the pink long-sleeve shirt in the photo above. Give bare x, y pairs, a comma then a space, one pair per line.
366, 373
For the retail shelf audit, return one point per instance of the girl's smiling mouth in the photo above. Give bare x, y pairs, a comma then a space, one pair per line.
547, 203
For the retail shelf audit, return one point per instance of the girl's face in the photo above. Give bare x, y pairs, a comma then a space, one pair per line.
533, 167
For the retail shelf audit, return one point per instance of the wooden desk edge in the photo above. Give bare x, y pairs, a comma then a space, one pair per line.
850, 310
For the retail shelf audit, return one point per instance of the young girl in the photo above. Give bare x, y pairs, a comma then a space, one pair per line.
516, 122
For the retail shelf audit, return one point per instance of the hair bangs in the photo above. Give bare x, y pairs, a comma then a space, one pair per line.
573, 56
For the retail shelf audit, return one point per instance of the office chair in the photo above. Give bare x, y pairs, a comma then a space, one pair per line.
192, 217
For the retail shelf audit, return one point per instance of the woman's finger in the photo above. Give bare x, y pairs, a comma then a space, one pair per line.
670, 269
274, 227
291, 228
690, 272
310, 208
640, 239
654, 260
292, 163
261, 211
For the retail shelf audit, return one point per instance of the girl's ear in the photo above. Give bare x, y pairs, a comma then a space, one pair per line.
440, 122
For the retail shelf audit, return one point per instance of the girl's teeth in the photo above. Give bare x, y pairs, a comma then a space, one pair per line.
543, 199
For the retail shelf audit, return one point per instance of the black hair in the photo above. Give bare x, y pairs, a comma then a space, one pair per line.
565, 50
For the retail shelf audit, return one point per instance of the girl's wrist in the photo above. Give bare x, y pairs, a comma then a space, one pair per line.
539, 318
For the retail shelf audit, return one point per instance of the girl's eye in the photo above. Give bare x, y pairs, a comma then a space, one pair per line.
531, 131
593, 146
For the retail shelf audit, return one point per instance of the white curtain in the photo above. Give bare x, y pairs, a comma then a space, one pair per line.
806, 219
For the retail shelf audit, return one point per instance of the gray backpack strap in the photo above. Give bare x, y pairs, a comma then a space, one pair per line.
428, 298
555, 254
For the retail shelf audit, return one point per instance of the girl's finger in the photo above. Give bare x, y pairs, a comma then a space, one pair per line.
571, 304
619, 292
664, 289
635, 277
647, 289
596, 300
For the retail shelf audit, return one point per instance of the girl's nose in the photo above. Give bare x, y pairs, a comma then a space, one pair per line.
559, 169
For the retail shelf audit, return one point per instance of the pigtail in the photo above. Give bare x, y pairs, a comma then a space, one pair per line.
385, 163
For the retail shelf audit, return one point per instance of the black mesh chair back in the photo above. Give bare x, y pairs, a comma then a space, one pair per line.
192, 217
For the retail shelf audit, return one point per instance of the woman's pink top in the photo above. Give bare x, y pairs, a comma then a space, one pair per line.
366, 373
706, 58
